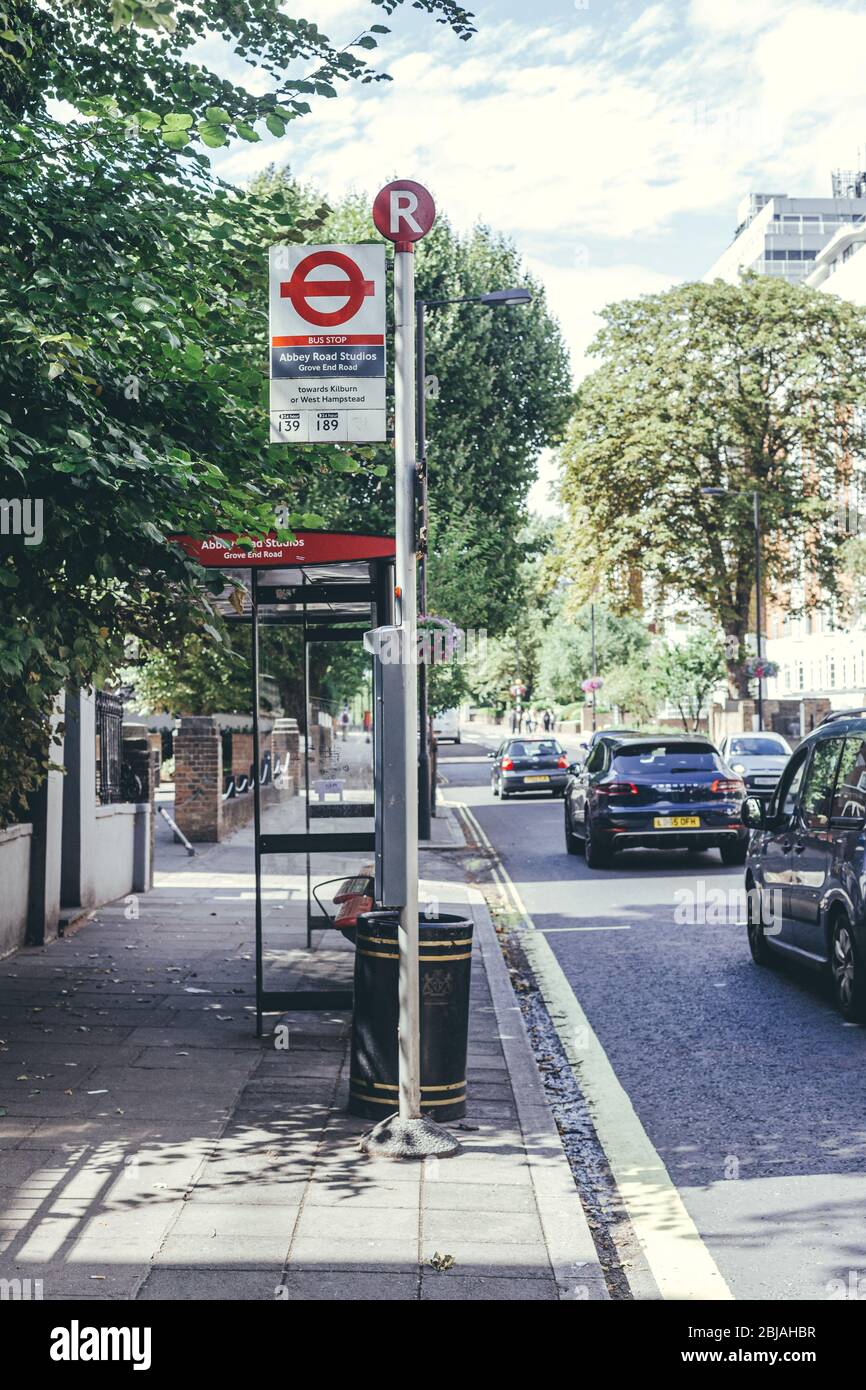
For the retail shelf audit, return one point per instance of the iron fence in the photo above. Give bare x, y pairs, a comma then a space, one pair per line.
109, 747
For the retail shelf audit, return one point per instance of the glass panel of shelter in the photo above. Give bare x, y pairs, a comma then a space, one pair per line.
315, 827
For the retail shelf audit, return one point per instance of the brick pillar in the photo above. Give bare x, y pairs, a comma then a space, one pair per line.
198, 778
242, 754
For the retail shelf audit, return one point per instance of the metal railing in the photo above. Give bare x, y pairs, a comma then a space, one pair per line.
109, 747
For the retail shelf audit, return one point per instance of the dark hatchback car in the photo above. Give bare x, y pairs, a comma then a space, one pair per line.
806, 868
528, 765
659, 793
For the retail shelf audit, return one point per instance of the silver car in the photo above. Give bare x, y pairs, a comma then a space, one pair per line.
759, 758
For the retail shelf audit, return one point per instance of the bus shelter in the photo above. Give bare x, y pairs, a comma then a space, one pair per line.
326, 784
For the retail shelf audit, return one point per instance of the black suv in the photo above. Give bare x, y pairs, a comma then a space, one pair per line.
660, 791
805, 868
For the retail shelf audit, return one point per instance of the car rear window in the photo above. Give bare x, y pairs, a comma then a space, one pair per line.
527, 748
667, 757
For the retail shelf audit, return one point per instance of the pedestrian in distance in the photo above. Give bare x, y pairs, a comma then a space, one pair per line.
345, 719
545, 719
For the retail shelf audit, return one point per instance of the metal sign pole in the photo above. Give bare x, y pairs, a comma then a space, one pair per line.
403, 212
404, 460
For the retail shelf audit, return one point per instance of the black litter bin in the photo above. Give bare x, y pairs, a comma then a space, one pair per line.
445, 962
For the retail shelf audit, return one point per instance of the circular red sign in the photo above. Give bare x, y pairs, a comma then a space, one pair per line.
404, 212
300, 290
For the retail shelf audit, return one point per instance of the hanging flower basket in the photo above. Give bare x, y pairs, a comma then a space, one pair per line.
591, 684
760, 669
439, 638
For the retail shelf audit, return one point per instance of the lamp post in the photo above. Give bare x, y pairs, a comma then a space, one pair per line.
494, 300
756, 520
594, 672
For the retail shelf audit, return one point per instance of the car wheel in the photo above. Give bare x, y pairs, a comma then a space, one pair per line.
597, 850
573, 843
503, 794
846, 973
734, 853
494, 786
761, 953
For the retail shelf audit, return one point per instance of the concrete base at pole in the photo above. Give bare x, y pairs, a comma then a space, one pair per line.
397, 1138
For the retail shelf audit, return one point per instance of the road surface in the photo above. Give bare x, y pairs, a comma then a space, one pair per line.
744, 1081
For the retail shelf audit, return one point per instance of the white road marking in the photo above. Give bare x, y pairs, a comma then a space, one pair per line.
548, 930
681, 1264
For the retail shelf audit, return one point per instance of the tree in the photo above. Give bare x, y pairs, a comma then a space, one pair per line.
755, 386
565, 658
502, 393
132, 294
628, 690
686, 673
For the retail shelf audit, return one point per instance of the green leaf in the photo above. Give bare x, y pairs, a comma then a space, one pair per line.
213, 136
193, 356
148, 120
246, 132
217, 115
177, 120
80, 438
55, 370
275, 125
175, 139
367, 42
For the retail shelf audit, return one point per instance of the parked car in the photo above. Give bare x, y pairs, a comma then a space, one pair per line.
446, 726
759, 759
528, 765
659, 792
804, 874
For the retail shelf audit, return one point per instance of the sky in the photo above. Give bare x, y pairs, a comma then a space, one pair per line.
611, 139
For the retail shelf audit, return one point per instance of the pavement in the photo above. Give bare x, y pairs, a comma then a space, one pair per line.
154, 1148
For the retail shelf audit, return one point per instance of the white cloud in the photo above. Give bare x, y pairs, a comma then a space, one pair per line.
576, 295
736, 17
566, 135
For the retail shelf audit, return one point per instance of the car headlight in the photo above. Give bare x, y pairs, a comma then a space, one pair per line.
738, 767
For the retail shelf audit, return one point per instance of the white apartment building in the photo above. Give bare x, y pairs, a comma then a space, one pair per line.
782, 236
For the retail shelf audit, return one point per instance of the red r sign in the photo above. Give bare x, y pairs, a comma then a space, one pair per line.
404, 212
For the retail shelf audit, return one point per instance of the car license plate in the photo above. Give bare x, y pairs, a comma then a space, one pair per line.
677, 822
545, 778
766, 781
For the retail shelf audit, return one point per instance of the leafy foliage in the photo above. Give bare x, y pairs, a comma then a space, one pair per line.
133, 312
751, 387
686, 674
565, 658
502, 393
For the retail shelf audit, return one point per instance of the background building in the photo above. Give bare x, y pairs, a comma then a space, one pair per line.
782, 236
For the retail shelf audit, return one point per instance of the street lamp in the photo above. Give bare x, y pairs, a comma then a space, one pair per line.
756, 516
494, 299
